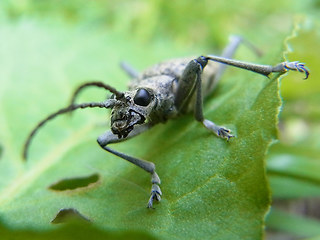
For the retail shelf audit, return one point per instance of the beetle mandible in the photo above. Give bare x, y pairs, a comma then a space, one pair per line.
163, 92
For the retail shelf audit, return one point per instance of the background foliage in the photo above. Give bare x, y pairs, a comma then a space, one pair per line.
47, 48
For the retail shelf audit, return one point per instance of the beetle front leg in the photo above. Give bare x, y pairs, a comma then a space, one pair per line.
133, 73
198, 113
188, 84
108, 138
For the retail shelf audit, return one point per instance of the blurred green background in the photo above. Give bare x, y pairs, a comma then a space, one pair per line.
146, 32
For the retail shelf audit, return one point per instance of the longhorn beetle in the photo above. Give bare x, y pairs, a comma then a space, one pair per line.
162, 92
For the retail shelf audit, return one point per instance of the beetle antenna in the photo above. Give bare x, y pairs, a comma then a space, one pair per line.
99, 84
106, 104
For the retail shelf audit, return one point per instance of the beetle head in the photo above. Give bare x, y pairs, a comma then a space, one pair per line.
131, 109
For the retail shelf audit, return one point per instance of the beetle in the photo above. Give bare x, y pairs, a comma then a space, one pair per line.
162, 92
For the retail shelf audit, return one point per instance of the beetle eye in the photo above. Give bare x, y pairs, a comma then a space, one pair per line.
142, 97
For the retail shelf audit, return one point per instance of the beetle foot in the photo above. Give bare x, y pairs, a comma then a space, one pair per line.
297, 66
224, 133
155, 195
155, 190
219, 131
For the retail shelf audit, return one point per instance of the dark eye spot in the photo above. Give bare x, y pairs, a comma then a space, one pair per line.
142, 97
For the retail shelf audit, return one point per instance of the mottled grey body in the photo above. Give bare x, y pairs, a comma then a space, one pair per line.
163, 79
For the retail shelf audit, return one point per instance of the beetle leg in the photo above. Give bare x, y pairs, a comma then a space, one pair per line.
133, 73
188, 84
265, 70
191, 81
198, 113
108, 138
215, 72
227, 52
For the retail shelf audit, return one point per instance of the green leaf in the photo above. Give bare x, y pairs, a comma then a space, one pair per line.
211, 188
293, 164
73, 230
